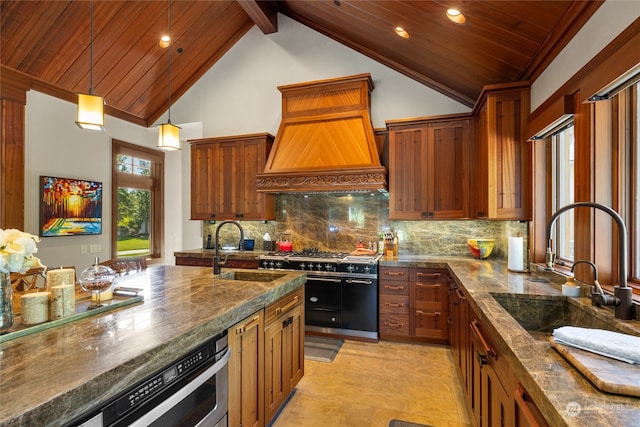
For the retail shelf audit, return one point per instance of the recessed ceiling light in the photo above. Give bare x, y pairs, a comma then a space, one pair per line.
401, 32
165, 41
456, 16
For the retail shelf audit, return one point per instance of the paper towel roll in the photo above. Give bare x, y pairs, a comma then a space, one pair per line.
516, 254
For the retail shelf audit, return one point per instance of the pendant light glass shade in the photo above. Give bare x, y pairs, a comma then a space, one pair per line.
169, 137
90, 112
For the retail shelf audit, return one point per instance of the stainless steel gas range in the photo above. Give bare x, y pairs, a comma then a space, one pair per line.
341, 290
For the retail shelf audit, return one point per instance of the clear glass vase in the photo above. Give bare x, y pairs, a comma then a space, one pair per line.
6, 302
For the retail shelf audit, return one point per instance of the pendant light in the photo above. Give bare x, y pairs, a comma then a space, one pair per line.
169, 134
90, 106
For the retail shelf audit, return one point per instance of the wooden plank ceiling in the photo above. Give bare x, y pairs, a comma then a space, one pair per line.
49, 42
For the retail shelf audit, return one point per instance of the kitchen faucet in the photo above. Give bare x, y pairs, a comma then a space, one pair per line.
216, 259
624, 294
597, 295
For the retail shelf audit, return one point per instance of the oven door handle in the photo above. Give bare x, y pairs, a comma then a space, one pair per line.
175, 398
324, 279
359, 282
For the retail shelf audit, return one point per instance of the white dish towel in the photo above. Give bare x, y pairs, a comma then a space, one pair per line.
606, 343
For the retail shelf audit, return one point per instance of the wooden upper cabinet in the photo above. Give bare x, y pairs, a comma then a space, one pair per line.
223, 178
501, 155
429, 169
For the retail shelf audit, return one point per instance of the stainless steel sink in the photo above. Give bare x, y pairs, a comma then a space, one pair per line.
251, 276
541, 314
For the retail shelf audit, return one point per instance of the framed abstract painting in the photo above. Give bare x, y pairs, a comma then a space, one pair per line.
70, 207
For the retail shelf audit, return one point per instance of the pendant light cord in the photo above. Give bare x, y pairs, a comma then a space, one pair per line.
91, 48
169, 29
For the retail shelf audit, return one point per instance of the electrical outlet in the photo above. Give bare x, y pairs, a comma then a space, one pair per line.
95, 249
83, 249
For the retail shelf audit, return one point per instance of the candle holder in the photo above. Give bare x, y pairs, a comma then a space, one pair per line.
96, 279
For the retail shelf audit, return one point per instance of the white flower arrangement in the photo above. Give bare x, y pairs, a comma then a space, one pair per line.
16, 251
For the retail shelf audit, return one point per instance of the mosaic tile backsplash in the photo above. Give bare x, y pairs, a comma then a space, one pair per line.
338, 222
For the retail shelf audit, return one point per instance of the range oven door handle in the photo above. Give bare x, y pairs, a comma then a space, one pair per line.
324, 279
185, 391
359, 282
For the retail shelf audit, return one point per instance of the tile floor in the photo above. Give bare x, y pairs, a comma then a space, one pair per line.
369, 384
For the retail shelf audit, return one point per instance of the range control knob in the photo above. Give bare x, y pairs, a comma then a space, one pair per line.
302, 266
328, 267
366, 269
319, 267
351, 268
278, 264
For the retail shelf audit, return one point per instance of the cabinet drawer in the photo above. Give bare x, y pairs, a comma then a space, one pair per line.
430, 324
394, 273
392, 324
283, 305
430, 296
397, 304
429, 275
390, 287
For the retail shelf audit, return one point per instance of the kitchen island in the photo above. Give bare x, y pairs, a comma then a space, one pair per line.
562, 394
51, 377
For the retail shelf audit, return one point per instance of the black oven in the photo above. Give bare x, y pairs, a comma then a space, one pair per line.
192, 391
341, 291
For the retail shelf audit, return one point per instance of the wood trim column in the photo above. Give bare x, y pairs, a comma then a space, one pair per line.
13, 99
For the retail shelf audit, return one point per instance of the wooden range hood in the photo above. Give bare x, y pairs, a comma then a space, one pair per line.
325, 142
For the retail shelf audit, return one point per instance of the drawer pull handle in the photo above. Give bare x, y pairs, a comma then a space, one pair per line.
428, 285
521, 398
393, 325
391, 304
434, 275
242, 329
394, 288
475, 330
394, 273
286, 307
422, 313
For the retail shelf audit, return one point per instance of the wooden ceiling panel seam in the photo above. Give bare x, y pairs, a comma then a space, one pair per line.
401, 68
573, 20
153, 82
239, 24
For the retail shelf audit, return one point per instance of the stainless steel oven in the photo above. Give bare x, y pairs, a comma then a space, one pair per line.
192, 391
341, 291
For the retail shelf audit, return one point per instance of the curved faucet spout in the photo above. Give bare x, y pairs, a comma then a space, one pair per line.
216, 258
622, 291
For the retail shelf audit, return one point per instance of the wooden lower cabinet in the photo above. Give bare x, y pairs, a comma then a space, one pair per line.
495, 398
246, 372
414, 304
394, 303
284, 350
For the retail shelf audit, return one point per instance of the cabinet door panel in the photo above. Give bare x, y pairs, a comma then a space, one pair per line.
275, 381
448, 165
246, 372
429, 324
408, 198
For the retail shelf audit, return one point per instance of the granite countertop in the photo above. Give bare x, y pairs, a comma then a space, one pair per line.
209, 253
553, 383
52, 376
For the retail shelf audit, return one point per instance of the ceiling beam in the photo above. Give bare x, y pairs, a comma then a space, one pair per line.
263, 13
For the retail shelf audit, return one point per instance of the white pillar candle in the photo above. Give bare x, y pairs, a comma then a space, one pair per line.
60, 276
35, 307
63, 301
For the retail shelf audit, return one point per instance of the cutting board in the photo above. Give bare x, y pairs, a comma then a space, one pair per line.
610, 375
